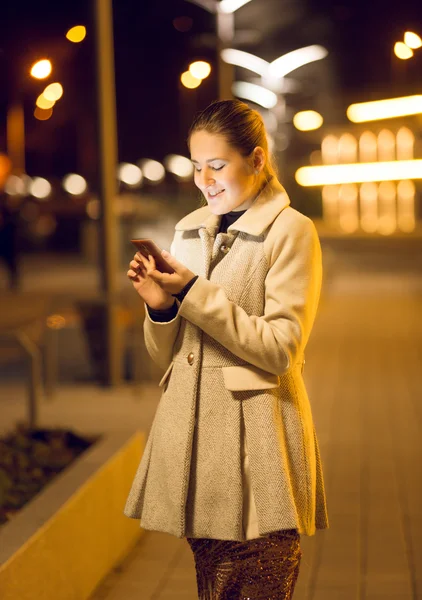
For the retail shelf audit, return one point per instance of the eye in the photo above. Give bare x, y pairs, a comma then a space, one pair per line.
217, 168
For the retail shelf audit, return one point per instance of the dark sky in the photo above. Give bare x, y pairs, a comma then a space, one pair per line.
153, 109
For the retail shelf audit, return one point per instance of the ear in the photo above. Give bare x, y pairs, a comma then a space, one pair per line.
259, 159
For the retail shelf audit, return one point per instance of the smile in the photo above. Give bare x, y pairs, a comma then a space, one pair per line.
216, 194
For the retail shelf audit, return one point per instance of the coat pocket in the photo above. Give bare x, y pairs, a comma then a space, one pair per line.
248, 377
166, 374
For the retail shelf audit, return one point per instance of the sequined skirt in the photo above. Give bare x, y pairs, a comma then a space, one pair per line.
265, 568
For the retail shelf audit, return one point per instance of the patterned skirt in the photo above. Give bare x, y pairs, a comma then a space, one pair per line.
265, 568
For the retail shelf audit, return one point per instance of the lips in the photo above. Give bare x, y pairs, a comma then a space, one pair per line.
211, 195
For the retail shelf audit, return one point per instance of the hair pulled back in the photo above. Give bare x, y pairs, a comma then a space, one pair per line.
241, 126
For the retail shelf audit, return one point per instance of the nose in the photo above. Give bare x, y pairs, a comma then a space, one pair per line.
205, 178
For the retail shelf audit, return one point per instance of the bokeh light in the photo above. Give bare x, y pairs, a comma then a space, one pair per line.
152, 170
43, 103
307, 120
53, 92
40, 188
189, 81
42, 114
15, 186
93, 209
412, 40
402, 51
183, 24
41, 69
75, 184
76, 34
200, 69
179, 166
130, 174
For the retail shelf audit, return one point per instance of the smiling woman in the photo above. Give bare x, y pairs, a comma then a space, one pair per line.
232, 461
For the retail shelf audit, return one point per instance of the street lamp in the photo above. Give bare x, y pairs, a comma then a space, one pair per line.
224, 12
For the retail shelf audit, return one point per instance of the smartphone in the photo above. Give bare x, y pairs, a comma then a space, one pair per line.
146, 247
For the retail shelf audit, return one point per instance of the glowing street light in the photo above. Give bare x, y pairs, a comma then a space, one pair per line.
255, 93
43, 103
359, 172
179, 165
152, 170
385, 109
76, 34
74, 184
307, 120
189, 81
401, 50
130, 174
224, 13
40, 188
200, 69
41, 69
412, 40
53, 92
42, 114
230, 6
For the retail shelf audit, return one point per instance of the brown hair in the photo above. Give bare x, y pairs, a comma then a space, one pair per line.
242, 127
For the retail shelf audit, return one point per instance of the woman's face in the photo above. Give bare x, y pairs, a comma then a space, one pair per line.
225, 177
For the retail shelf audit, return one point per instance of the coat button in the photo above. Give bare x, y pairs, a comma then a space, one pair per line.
224, 249
190, 358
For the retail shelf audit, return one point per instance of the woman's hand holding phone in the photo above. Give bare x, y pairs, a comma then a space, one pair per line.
150, 292
155, 287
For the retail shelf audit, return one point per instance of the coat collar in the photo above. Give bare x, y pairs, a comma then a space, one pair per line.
266, 207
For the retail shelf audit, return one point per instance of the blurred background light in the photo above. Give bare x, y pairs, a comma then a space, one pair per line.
41, 69
44, 226
40, 188
332, 174
53, 92
230, 6
307, 120
200, 69
386, 145
412, 40
405, 141
406, 205
93, 209
369, 207
367, 147
295, 59
42, 114
189, 81
43, 103
152, 170
245, 60
402, 51
183, 24
76, 34
75, 184
329, 150
254, 93
385, 109
347, 148
179, 166
15, 186
129, 174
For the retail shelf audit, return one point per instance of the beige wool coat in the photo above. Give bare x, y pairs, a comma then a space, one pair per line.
232, 452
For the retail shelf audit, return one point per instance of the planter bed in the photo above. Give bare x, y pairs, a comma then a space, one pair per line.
63, 542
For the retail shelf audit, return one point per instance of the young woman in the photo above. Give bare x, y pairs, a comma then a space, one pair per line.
232, 460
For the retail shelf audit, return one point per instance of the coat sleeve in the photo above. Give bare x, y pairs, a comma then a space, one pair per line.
160, 336
275, 341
